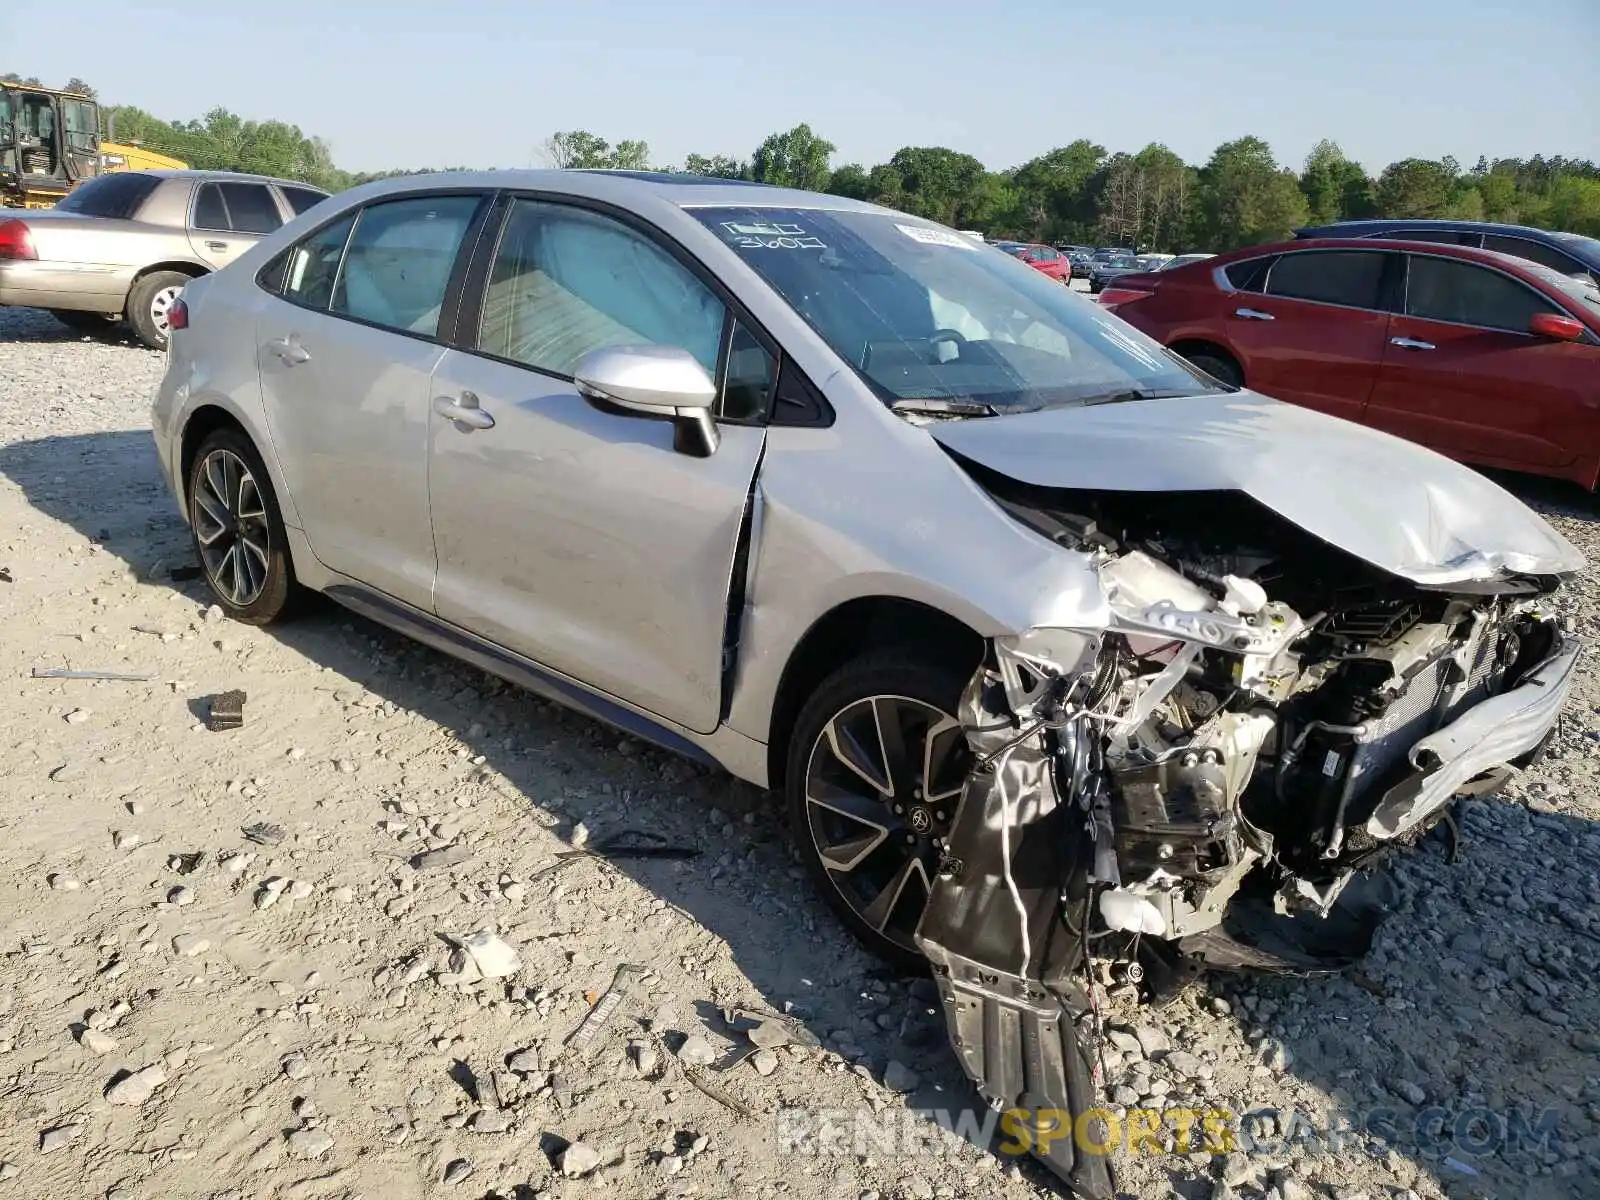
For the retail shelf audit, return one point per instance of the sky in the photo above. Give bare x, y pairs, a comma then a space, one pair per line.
482, 83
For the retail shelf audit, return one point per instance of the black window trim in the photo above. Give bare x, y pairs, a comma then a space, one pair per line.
476, 283
1560, 305
449, 307
281, 190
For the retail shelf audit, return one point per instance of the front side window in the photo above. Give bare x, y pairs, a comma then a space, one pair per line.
398, 264
1350, 278
935, 322
748, 377
251, 208
1463, 293
313, 265
567, 281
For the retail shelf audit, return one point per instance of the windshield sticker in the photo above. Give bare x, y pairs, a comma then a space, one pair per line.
936, 237
770, 235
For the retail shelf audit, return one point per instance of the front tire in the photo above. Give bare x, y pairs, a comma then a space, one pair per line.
1221, 369
875, 772
149, 301
238, 531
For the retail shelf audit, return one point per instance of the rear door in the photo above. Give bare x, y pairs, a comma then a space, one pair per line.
1311, 328
1461, 372
228, 218
345, 351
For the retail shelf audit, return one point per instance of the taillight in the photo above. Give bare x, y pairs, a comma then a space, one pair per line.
178, 314
15, 241
1112, 296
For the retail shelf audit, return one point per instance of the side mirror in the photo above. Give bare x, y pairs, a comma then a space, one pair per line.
1556, 325
654, 381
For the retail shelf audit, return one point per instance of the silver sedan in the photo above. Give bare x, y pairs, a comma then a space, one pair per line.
124, 245
1041, 635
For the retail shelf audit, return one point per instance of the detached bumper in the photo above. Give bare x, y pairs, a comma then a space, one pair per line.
1493, 734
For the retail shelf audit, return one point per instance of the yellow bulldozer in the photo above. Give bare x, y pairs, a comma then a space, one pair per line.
50, 143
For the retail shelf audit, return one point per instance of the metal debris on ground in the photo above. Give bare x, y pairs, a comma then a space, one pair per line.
627, 843
227, 711
582, 1038
445, 856
187, 864
264, 834
769, 1030
5, 575
114, 676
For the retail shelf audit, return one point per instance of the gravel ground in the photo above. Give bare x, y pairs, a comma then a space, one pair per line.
297, 1016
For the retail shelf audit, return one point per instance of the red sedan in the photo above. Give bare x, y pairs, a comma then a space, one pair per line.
1047, 260
1488, 358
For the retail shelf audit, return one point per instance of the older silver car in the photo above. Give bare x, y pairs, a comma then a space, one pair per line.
1044, 638
121, 247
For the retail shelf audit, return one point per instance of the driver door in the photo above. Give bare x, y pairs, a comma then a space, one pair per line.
575, 535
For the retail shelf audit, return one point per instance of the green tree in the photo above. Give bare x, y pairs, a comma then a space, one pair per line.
1055, 196
1415, 187
940, 184
577, 149
1335, 188
798, 159
13, 77
1244, 197
853, 181
77, 85
719, 166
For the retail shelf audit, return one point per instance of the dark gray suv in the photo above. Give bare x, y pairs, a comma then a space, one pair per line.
1570, 253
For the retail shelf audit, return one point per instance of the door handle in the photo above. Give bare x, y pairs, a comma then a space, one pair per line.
1410, 344
464, 411
219, 247
1253, 314
289, 350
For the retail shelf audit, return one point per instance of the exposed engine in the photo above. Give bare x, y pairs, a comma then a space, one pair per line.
1195, 783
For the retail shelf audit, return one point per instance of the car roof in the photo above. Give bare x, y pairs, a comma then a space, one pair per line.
221, 177
1441, 223
1441, 249
625, 187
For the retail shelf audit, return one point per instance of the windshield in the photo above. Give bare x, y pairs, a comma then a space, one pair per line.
1585, 291
935, 322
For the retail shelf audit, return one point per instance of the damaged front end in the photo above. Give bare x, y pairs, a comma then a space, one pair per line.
1194, 783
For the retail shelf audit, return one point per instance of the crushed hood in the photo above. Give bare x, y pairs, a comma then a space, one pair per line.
1394, 504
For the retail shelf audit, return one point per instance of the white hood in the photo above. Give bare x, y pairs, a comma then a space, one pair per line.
1394, 504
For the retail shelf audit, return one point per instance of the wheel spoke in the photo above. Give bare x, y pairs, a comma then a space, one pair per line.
942, 746
249, 504
216, 476
887, 712
213, 512
877, 913
864, 810
846, 854
850, 752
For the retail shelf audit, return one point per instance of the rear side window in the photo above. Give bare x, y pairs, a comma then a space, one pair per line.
1347, 277
313, 265
1249, 275
1463, 293
1545, 256
301, 199
399, 262
209, 210
251, 208
118, 195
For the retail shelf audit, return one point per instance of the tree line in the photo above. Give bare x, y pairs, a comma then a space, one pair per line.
1080, 192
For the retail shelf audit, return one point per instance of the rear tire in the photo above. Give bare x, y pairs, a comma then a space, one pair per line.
148, 301
1224, 370
873, 864
238, 530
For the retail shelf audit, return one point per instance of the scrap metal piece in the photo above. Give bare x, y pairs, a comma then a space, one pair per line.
264, 834
226, 711
582, 1038
113, 676
622, 844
